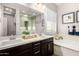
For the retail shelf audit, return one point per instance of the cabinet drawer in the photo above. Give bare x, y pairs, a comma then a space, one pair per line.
44, 41
26, 46
25, 53
35, 44
5, 52
36, 49
22, 48
36, 53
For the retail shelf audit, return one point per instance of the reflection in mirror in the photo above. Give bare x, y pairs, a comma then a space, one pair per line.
27, 23
9, 21
17, 20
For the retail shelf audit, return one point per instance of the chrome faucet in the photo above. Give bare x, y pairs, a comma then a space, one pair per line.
58, 37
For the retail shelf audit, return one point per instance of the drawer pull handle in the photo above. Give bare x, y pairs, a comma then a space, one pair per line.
37, 44
36, 48
36, 52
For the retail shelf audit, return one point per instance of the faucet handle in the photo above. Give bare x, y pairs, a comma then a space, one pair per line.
60, 37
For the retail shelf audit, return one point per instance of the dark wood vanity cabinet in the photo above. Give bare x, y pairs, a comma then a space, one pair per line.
39, 48
24, 50
47, 47
18, 50
50, 48
36, 48
44, 48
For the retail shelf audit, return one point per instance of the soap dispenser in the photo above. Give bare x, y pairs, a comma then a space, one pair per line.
68, 29
74, 30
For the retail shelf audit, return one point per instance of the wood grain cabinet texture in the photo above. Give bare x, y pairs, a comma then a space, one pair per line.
39, 48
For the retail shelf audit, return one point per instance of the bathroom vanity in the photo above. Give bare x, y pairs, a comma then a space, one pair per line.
42, 46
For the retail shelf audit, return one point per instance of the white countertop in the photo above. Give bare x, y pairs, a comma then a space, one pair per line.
20, 41
68, 41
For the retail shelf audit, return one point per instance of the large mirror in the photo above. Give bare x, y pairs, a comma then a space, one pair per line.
17, 18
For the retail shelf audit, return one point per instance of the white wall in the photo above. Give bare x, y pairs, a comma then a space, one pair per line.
63, 9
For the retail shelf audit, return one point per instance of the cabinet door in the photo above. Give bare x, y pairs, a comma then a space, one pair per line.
44, 49
50, 48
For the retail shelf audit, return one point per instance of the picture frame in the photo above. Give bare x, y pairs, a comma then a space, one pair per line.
77, 16
68, 18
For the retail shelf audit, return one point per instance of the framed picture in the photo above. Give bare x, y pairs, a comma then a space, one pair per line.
68, 18
77, 16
